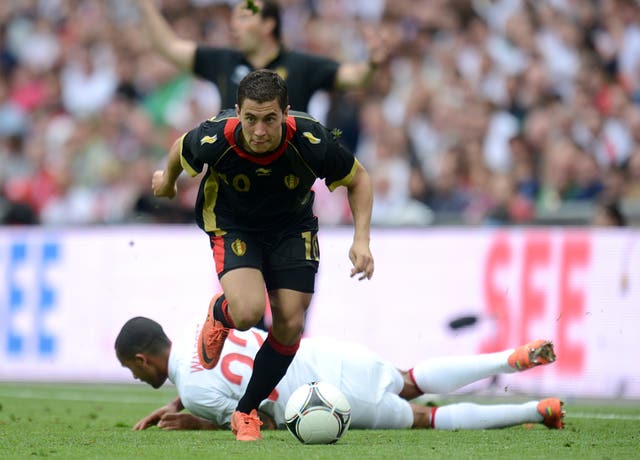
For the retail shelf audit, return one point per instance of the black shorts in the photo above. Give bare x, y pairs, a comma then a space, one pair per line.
287, 261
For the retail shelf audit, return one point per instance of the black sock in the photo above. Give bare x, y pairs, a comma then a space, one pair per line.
221, 312
269, 366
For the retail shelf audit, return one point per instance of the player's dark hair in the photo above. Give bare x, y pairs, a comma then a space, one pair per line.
271, 10
141, 335
262, 86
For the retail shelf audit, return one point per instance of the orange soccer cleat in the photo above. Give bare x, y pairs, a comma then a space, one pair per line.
551, 411
212, 337
536, 353
246, 427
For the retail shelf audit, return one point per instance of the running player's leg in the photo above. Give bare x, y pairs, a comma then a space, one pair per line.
278, 350
242, 303
290, 279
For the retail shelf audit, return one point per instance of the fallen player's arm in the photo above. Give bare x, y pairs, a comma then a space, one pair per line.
186, 421
154, 417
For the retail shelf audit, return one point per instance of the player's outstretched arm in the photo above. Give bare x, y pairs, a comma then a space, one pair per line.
164, 183
154, 417
360, 194
163, 39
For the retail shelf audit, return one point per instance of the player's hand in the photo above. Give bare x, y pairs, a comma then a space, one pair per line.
362, 260
161, 187
182, 421
150, 420
378, 44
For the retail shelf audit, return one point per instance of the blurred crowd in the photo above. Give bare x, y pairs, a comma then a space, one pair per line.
488, 112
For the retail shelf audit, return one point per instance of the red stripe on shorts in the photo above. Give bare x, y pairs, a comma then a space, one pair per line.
217, 246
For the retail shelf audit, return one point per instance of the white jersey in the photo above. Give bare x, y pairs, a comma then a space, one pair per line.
370, 383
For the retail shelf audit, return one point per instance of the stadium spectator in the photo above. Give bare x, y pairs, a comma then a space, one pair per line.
257, 37
380, 395
632, 190
457, 73
608, 214
256, 205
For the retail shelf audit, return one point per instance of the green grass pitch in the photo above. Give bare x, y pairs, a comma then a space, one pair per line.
90, 421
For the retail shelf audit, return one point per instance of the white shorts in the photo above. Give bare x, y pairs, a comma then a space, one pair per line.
370, 383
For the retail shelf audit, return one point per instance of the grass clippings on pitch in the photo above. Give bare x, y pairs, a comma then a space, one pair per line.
62, 421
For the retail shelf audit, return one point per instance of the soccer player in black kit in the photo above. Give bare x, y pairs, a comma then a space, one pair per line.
258, 44
255, 203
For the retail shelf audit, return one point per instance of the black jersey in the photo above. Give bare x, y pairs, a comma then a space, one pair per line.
243, 191
304, 73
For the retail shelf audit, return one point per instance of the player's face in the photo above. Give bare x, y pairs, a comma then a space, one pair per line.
143, 370
261, 125
247, 28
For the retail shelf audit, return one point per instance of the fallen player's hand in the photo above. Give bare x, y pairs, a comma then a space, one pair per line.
149, 420
184, 421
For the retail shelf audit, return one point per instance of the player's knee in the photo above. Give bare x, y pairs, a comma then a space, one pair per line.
289, 328
247, 316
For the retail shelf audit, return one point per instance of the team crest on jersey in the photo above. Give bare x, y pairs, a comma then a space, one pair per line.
239, 247
313, 139
263, 172
208, 139
291, 181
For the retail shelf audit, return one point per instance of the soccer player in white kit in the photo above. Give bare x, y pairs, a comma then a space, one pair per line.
379, 394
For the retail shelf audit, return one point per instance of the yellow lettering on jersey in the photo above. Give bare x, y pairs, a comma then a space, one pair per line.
313, 139
263, 172
239, 247
208, 139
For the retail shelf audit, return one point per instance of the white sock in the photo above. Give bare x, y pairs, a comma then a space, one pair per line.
470, 416
446, 374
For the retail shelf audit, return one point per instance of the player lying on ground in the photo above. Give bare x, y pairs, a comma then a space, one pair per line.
379, 393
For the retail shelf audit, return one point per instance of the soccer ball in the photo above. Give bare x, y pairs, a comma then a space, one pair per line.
317, 413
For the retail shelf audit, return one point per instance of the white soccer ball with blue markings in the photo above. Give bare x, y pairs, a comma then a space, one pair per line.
317, 413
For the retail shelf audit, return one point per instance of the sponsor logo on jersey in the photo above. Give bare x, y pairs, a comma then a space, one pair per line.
208, 139
291, 181
263, 172
313, 139
239, 247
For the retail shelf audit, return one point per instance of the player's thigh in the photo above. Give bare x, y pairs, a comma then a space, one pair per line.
238, 258
291, 260
390, 412
290, 272
244, 291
